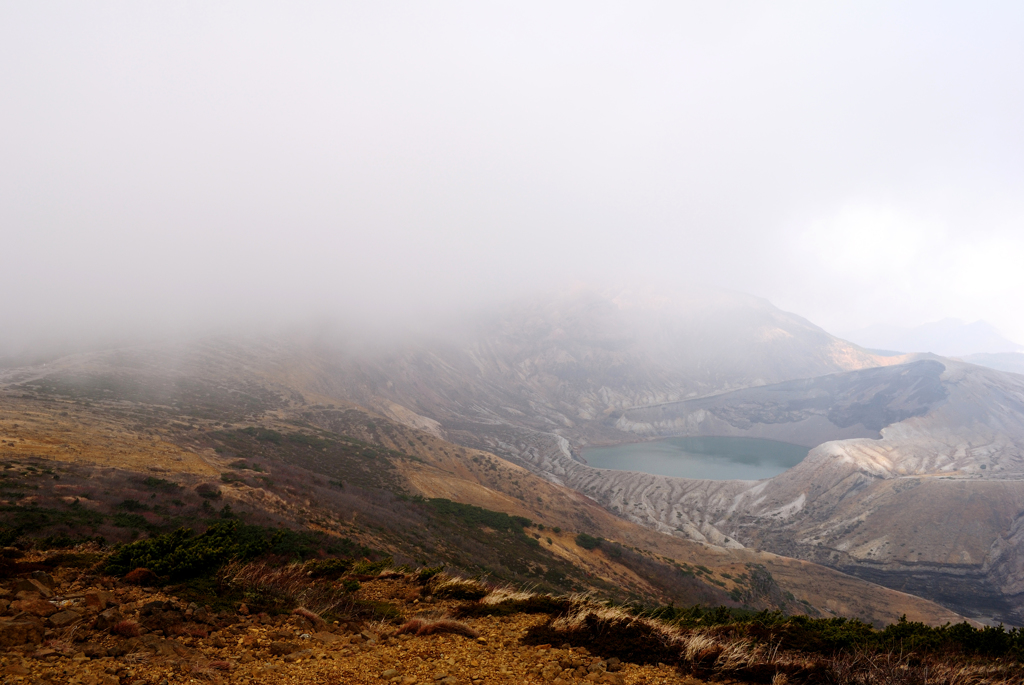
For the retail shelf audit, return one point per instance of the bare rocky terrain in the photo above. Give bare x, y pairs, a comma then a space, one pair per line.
74, 624
912, 482
930, 505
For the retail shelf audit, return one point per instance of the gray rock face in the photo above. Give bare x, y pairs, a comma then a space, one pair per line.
914, 479
902, 452
930, 506
538, 379
807, 412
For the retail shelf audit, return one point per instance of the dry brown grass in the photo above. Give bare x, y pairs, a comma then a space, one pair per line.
712, 653
189, 629
449, 587
318, 623
290, 584
893, 668
421, 626
505, 594
126, 628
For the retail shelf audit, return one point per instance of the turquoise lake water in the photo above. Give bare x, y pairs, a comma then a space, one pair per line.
712, 458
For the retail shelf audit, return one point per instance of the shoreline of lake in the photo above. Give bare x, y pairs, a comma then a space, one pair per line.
700, 457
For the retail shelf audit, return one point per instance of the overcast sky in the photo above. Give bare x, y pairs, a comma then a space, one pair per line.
857, 163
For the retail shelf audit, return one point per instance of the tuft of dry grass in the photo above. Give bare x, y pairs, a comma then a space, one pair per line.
290, 584
190, 629
420, 626
313, 618
448, 587
505, 594
126, 628
141, 576
643, 640
895, 668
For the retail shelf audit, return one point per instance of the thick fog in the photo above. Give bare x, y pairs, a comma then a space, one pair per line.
171, 165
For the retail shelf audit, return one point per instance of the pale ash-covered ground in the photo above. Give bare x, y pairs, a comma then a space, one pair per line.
936, 495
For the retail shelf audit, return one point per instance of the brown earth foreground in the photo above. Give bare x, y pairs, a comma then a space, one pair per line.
61, 629
402, 628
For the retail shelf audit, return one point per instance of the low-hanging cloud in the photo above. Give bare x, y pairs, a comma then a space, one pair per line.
167, 166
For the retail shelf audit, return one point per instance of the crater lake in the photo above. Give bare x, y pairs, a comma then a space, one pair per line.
710, 458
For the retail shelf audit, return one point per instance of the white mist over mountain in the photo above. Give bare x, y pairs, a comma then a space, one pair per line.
167, 166
948, 337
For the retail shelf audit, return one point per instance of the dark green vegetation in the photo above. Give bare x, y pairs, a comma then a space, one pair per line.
182, 554
116, 506
478, 516
154, 394
341, 458
828, 635
108, 505
760, 647
338, 471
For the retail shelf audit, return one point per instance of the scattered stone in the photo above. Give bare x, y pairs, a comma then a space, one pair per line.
44, 578
551, 670
20, 632
107, 619
281, 648
35, 607
298, 656
32, 585
64, 618
98, 599
389, 674
16, 669
327, 638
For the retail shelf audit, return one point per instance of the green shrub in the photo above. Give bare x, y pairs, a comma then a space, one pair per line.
263, 434
161, 485
587, 541
122, 520
328, 568
371, 568
183, 554
478, 516
425, 574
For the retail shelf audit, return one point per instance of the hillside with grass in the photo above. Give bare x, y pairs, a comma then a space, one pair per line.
137, 444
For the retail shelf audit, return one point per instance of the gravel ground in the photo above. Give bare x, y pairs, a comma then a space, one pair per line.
68, 626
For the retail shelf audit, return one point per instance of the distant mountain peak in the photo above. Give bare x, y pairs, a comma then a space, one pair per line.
948, 337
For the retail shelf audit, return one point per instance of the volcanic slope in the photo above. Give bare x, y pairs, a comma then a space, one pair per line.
539, 380
140, 441
539, 377
918, 483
